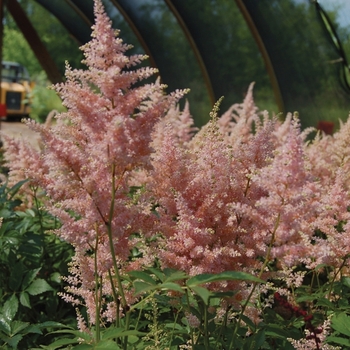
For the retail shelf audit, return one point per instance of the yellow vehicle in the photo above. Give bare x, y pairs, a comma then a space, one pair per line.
15, 90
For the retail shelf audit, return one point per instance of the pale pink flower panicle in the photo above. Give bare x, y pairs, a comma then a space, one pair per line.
90, 152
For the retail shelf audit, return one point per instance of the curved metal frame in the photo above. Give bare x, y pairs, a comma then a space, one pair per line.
135, 30
195, 49
265, 55
34, 41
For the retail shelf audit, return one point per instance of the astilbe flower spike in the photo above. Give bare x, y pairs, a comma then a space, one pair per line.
228, 203
90, 152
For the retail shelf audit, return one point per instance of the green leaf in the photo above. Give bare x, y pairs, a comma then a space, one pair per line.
24, 299
113, 333
55, 277
18, 326
52, 324
341, 323
221, 295
277, 331
77, 334
106, 345
223, 276
175, 326
85, 347
13, 341
14, 189
29, 277
33, 328
10, 308
141, 287
258, 339
171, 286
248, 322
174, 275
5, 325
5, 213
143, 276
346, 281
39, 286
63, 341
203, 293
157, 273
338, 340
324, 302
16, 276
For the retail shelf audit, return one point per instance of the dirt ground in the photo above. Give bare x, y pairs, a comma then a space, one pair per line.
19, 130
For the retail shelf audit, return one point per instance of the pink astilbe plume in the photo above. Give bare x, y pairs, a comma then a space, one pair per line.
201, 187
90, 152
227, 203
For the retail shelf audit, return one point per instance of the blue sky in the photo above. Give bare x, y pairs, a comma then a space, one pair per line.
344, 13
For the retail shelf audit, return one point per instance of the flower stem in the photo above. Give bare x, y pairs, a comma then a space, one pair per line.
266, 261
98, 287
114, 259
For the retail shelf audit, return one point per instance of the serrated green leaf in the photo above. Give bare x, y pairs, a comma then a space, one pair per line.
324, 302
5, 325
223, 276
77, 334
63, 341
21, 214
55, 277
341, 323
17, 326
171, 286
221, 295
111, 332
38, 286
30, 212
85, 347
5, 213
157, 273
175, 326
13, 341
172, 275
16, 276
203, 293
24, 299
14, 189
52, 324
346, 281
338, 340
274, 330
141, 287
10, 308
305, 298
106, 345
29, 277
33, 328
119, 333
143, 276
248, 322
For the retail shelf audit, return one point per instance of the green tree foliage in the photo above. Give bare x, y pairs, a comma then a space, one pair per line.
233, 60
55, 37
17, 49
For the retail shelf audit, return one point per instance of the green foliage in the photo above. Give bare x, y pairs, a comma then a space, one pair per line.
172, 308
17, 49
53, 34
44, 100
31, 263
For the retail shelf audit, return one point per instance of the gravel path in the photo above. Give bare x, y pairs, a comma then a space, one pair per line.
17, 130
